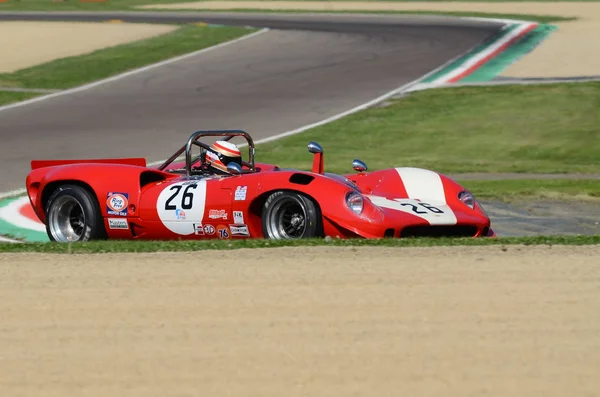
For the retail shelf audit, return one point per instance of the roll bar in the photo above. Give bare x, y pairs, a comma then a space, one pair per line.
194, 140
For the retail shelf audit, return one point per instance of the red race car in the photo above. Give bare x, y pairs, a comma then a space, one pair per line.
213, 193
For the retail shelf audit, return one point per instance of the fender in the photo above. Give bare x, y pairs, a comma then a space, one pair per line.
124, 179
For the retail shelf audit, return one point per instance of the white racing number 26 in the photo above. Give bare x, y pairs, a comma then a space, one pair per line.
182, 204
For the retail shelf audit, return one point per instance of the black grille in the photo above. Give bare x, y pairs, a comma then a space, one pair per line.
439, 231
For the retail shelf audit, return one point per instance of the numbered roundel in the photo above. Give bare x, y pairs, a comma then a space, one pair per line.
181, 205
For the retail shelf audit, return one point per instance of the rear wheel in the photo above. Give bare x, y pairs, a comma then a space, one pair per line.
73, 214
290, 215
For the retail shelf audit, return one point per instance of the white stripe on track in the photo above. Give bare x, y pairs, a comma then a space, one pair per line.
129, 73
13, 193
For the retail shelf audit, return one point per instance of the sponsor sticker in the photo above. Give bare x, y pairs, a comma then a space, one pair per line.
239, 230
116, 203
198, 229
209, 229
180, 214
240, 193
117, 223
217, 214
238, 217
223, 232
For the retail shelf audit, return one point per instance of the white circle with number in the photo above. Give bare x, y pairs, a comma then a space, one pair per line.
181, 205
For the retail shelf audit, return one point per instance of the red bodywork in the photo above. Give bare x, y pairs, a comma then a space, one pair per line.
161, 205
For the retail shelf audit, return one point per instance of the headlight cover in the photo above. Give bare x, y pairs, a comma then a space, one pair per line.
467, 199
355, 202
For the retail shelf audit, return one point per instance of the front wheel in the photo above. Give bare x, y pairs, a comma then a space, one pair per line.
290, 215
73, 214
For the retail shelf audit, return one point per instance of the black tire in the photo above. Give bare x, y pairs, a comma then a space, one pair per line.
290, 215
73, 214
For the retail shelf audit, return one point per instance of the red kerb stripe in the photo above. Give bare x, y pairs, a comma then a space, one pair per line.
490, 56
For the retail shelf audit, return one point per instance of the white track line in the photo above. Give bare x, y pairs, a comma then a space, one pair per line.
130, 73
404, 88
12, 193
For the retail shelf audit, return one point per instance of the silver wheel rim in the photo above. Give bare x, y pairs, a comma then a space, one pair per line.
66, 220
287, 219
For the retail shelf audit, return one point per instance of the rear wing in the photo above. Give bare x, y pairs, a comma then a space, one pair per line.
35, 164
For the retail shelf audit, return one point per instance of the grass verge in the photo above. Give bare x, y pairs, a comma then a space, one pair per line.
535, 129
73, 71
112, 5
526, 17
7, 97
181, 246
528, 189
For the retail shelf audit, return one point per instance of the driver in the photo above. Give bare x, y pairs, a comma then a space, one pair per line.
220, 154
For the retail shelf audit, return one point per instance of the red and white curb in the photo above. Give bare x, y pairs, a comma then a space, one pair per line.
20, 213
479, 59
484, 56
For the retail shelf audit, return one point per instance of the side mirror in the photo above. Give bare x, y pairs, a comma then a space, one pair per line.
234, 168
359, 165
315, 148
318, 162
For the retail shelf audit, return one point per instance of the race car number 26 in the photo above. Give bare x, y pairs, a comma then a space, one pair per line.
182, 204
187, 199
420, 207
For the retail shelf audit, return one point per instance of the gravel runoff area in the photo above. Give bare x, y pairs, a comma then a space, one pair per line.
25, 44
323, 321
572, 50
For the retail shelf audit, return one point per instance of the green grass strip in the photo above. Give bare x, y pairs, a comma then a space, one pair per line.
520, 17
549, 128
7, 97
115, 5
73, 71
186, 246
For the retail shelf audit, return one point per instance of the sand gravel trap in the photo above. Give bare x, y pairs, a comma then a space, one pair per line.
319, 322
25, 44
573, 50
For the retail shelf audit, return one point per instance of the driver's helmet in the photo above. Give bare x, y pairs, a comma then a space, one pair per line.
220, 154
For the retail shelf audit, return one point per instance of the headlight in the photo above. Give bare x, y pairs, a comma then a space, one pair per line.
354, 201
467, 199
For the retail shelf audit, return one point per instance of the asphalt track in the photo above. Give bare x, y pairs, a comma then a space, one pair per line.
306, 68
